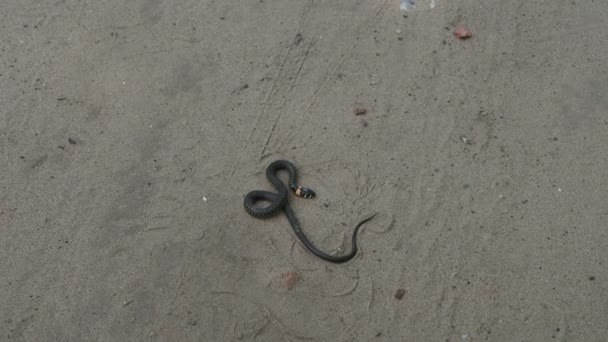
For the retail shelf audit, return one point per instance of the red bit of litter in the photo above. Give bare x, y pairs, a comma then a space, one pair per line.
290, 279
462, 33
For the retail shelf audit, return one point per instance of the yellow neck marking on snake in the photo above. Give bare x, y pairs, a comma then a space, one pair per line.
298, 191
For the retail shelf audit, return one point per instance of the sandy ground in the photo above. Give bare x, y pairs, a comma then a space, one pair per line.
130, 132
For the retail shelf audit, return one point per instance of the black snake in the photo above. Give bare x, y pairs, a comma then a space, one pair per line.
278, 201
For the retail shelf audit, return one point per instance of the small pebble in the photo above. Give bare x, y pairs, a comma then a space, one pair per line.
360, 111
299, 38
399, 294
592, 278
466, 140
364, 123
72, 141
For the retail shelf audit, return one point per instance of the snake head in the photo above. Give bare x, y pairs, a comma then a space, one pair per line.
304, 192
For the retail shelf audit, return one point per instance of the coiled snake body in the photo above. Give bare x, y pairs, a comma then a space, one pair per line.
278, 201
